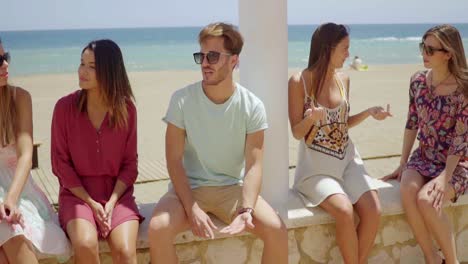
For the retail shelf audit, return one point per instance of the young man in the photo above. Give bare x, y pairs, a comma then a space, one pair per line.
214, 146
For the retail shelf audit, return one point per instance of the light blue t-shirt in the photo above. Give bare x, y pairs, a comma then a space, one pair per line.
216, 133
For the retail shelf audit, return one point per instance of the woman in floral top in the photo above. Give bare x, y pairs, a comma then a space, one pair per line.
437, 171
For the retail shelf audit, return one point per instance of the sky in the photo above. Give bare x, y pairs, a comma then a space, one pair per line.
78, 14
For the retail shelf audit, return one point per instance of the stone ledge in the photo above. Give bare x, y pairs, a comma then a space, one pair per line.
311, 236
298, 215
389, 195
146, 210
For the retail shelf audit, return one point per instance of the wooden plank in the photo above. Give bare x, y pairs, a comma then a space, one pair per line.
147, 163
157, 170
144, 172
160, 166
51, 182
45, 185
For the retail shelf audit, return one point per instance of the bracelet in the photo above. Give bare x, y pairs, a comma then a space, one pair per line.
249, 210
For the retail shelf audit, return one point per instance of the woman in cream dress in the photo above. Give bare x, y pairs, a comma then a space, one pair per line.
330, 172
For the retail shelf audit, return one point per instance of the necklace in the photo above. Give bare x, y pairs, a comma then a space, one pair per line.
433, 87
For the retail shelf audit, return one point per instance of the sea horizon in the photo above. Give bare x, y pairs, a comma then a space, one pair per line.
170, 48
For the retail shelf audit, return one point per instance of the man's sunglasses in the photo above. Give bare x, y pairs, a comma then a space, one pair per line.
212, 57
428, 49
4, 57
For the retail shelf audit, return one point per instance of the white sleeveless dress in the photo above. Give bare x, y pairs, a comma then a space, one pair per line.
41, 223
328, 162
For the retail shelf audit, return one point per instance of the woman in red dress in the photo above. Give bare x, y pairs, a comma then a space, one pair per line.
94, 155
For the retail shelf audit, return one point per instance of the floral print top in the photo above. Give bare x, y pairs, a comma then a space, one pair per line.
442, 120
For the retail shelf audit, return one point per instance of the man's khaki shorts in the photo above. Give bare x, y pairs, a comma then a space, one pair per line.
221, 201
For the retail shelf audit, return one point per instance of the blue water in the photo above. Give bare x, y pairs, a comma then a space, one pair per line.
149, 49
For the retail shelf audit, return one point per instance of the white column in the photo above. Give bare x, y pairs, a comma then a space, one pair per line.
264, 70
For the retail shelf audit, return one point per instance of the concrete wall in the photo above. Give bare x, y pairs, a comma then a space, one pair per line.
311, 237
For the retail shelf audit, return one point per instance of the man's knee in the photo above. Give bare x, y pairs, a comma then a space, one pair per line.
161, 229
274, 230
159, 224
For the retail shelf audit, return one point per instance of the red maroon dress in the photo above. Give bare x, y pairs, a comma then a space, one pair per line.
93, 159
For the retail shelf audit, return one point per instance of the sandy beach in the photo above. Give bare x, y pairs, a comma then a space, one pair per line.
380, 85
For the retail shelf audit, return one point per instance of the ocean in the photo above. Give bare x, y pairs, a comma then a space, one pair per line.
152, 49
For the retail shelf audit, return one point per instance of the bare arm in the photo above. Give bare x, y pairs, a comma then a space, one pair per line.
175, 142
253, 169
24, 145
356, 119
408, 141
376, 112
200, 222
411, 130
119, 188
450, 165
300, 125
252, 183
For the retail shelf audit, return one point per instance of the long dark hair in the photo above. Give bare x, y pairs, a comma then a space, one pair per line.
7, 114
112, 79
325, 38
451, 41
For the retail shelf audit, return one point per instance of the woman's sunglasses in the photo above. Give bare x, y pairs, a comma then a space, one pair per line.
428, 49
4, 57
212, 57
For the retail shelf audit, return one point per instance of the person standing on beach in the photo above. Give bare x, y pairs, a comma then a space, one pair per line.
28, 224
214, 146
437, 171
357, 63
94, 155
330, 172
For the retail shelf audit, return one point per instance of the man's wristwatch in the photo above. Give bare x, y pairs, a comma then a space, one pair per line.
246, 210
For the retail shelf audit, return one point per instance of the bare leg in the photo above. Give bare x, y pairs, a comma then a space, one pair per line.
339, 206
411, 184
438, 222
122, 241
168, 220
84, 239
369, 211
17, 251
273, 232
3, 257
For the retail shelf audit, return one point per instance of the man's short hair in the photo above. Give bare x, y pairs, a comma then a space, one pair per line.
233, 40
